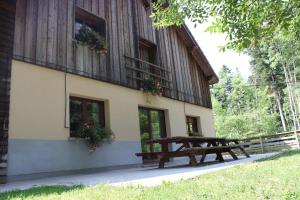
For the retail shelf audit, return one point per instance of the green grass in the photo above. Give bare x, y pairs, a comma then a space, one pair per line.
274, 178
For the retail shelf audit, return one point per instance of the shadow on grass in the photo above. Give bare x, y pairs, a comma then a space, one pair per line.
281, 155
39, 191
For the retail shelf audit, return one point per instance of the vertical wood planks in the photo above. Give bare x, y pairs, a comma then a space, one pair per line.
44, 31
52, 31
7, 24
62, 33
31, 29
70, 32
20, 23
42, 26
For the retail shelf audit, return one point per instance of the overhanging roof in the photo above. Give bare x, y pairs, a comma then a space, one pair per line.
197, 53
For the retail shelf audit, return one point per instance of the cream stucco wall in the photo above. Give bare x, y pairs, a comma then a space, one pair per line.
37, 107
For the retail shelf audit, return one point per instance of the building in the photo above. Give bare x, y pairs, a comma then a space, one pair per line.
48, 79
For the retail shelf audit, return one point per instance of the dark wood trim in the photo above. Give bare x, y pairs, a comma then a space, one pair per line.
163, 131
147, 3
91, 20
85, 101
194, 122
7, 24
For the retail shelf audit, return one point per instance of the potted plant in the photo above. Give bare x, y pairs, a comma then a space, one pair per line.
87, 36
150, 86
95, 135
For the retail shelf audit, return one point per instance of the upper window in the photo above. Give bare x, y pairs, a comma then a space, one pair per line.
85, 111
147, 51
192, 126
147, 3
93, 22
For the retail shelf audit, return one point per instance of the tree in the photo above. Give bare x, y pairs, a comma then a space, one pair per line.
242, 110
223, 89
265, 75
245, 21
276, 63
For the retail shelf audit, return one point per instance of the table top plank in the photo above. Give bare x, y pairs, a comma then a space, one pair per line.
181, 139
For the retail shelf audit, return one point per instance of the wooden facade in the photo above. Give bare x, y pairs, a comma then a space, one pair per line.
44, 35
7, 14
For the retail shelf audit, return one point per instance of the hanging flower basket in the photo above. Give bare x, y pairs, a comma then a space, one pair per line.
102, 51
95, 135
151, 87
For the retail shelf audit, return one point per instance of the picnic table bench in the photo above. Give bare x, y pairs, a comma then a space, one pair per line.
193, 146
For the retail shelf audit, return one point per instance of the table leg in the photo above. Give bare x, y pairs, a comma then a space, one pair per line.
230, 152
180, 148
244, 152
242, 149
193, 160
204, 154
220, 157
162, 161
219, 154
233, 155
203, 158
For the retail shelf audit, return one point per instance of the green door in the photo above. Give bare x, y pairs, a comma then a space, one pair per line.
152, 126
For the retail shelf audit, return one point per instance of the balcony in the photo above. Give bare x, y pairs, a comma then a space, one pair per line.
137, 71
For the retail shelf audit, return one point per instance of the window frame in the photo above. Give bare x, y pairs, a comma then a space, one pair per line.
151, 47
195, 125
84, 119
84, 15
146, 3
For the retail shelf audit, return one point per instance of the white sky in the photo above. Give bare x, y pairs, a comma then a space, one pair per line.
210, 44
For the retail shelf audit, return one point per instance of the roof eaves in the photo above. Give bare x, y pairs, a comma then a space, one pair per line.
199, 55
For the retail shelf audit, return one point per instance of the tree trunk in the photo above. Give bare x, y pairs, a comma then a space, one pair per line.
277, 98
291, 97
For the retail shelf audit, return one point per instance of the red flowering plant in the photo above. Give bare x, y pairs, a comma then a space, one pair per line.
150, 86
96, 135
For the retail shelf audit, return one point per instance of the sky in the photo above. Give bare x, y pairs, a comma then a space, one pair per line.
209, 43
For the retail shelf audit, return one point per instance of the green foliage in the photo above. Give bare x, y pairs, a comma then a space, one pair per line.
242, 110
151, 86
275, 63
273, 178
245, 21
96, 135
93, 39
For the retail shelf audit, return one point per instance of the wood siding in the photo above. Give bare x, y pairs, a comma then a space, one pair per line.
7, 14
45, 31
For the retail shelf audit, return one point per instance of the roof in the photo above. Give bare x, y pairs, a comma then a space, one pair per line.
197, 53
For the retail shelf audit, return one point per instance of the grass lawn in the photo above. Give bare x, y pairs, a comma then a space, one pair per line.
273, 178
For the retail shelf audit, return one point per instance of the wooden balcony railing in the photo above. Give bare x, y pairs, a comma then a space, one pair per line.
138, 70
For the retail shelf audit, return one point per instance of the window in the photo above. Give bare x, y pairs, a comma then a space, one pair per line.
192, 126
90, 20
147, 3
152, 126
147, 51
85, 111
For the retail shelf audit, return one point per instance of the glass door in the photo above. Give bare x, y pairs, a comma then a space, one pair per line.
152, 126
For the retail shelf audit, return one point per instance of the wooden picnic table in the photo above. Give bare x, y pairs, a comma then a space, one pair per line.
192, 146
